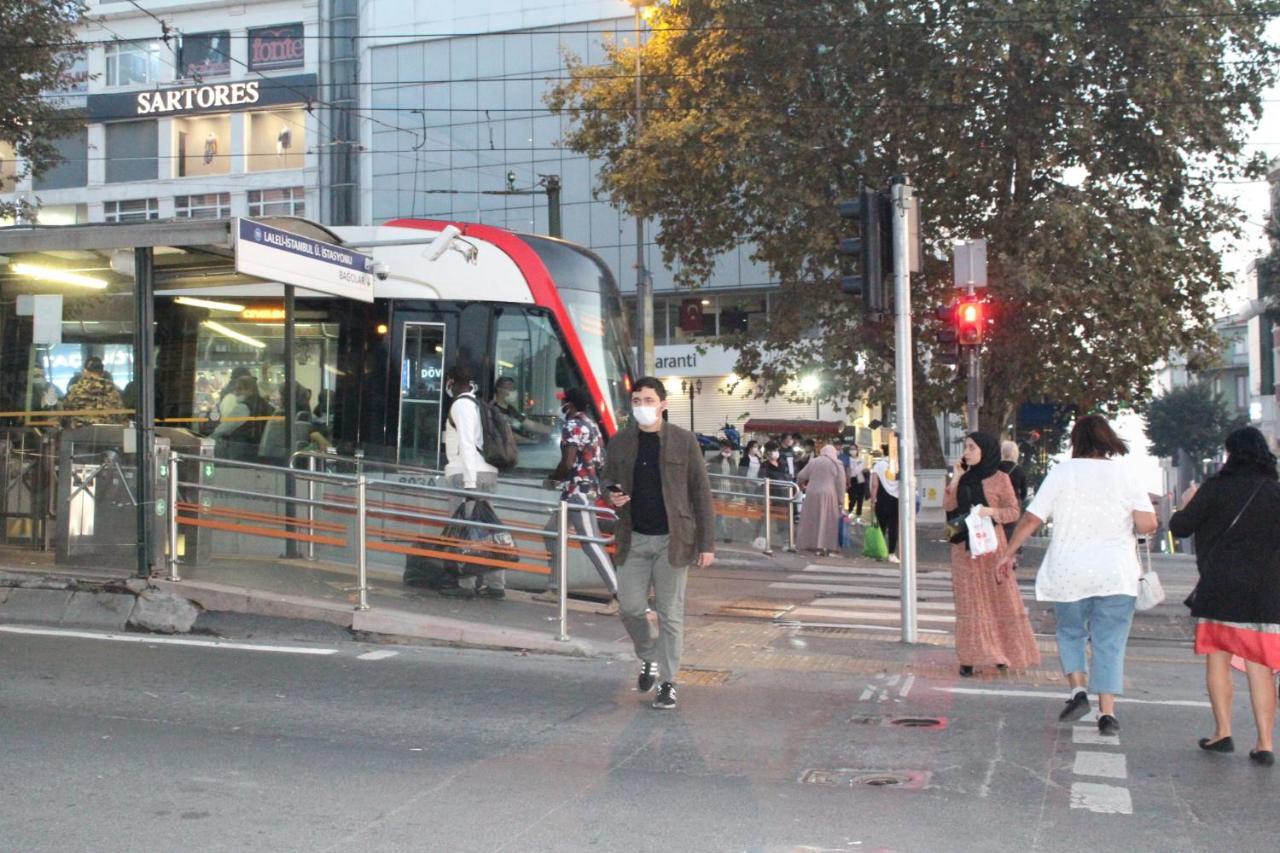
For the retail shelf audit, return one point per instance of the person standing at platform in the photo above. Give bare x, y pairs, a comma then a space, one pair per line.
824, 482
656, 478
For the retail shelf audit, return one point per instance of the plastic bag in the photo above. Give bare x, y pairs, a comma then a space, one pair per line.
477, 541
873, 544
982, 533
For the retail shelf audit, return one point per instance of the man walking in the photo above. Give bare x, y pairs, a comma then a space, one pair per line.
466, 469
658, 481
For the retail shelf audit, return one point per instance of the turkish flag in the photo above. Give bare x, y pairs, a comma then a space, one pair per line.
691, 315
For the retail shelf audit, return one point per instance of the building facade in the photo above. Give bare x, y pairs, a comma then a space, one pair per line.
211, 114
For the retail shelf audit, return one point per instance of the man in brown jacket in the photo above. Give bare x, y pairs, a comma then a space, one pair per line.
657, 480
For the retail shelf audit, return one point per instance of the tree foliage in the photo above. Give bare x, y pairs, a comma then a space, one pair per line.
37, 36
1192, 419
1083, 138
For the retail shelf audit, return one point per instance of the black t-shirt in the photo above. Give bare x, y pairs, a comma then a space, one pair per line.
648, 509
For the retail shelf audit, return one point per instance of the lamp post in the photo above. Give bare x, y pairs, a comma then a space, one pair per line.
691, 387
644, 284
812, 384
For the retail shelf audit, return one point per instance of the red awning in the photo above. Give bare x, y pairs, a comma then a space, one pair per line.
806, 428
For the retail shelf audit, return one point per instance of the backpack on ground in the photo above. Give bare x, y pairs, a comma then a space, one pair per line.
499, 447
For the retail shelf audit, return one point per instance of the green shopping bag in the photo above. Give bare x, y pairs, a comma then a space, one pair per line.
873, 544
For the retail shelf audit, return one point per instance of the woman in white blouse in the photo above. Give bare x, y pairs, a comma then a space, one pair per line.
1091, 570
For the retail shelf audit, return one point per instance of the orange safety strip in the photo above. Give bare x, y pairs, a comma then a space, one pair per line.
192, 521
459, 558
65, 413
404, 535
246, 515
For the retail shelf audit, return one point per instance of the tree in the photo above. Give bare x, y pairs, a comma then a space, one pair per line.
39, 39
1082, 138
1191, 419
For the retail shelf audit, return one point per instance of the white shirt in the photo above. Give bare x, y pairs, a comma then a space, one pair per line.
463, 439
753, 466
1094, 550
881, 471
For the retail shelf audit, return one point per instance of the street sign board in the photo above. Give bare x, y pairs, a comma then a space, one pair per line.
278, 255
971, 264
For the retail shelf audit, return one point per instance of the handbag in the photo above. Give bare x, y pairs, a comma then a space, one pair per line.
1150, 590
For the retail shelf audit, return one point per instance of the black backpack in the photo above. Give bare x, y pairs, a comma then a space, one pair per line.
499, 448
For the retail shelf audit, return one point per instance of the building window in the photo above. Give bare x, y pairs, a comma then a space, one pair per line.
134, 210
131, 63
209, 206
203, 55
1242, 393
202, 146
276, 140
132, 152
290, 201
72, 170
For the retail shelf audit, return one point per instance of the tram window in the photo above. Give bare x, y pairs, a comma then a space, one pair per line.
528, 351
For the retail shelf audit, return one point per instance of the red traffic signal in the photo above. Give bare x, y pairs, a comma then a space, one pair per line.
970, 318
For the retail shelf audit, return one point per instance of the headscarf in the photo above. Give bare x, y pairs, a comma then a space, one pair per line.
969, 492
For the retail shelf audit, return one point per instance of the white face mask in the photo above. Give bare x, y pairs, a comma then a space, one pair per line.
645, 415
726, 453
773, 454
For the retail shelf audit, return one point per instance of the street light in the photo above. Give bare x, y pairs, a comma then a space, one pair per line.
691, 387
810, 384
644, 286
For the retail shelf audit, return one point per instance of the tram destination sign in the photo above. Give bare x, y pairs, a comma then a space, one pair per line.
277, 255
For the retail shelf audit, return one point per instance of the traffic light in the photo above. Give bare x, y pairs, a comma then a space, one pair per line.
867, 250
971, 322
948, 336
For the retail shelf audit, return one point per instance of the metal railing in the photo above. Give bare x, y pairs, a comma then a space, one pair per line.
771, 492
361, 485
28, 465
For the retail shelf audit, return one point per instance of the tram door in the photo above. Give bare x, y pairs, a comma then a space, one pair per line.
421, 394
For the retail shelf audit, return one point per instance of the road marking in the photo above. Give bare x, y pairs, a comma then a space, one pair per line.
165, 641
383, 654
1090, 735
1035, 694
1103, 799
906, 686
1108, 764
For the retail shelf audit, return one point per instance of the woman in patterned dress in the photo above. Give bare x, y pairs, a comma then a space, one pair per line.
991, 620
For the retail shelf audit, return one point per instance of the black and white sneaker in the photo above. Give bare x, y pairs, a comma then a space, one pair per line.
648, 677
1077, 707
666, 698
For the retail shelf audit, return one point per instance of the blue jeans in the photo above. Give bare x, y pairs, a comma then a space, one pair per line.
1102, 622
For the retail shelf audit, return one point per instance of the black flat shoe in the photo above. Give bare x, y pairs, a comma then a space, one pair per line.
1262, 757
966, 671
1108, 725
1222, 744
1077, 707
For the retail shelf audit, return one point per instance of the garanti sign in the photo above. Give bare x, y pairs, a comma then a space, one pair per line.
205, 98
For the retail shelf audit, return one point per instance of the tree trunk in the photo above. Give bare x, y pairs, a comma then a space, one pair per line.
928, 442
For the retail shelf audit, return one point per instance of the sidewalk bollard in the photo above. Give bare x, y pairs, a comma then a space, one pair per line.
562, 569
172, 517
791, 520
311, 507
768, 519
362, 568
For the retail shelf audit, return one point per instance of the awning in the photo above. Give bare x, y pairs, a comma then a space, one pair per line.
805, 428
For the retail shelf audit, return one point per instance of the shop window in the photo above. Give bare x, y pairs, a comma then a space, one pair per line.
208, 206
203, 55
132, 152
63, 214
277, 139
289, 201
131, 63
72, 170
202, 146
740, 314
528, 351
134, 210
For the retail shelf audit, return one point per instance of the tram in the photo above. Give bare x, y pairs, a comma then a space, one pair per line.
533, 313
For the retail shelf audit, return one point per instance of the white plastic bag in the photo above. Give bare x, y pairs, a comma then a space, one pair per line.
982, 533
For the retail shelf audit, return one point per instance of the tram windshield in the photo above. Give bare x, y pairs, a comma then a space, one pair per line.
591, 297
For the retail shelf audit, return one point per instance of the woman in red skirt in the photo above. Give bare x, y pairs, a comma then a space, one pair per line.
1237, 600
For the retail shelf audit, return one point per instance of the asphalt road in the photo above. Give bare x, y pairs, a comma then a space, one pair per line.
152, 746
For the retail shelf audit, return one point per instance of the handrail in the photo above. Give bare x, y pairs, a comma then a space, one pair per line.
558, 510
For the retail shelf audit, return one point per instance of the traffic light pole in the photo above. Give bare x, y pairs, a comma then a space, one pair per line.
901, 195
974, 370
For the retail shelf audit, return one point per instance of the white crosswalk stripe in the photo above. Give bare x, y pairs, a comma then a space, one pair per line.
852, 596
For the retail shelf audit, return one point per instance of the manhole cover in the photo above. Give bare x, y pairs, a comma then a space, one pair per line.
755, 608
844, 777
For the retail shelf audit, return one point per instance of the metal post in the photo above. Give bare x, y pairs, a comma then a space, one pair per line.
172, 517
791, 520
359, 455
768, 518
562, 569
644, 286
552, 185
362, 568
290, 403
144, 416
311, 506
973, 406
901, 198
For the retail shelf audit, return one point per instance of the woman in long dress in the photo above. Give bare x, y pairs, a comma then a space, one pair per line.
1237, 599
992, 626
824, 483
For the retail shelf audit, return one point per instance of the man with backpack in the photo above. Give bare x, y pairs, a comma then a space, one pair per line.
467, 468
